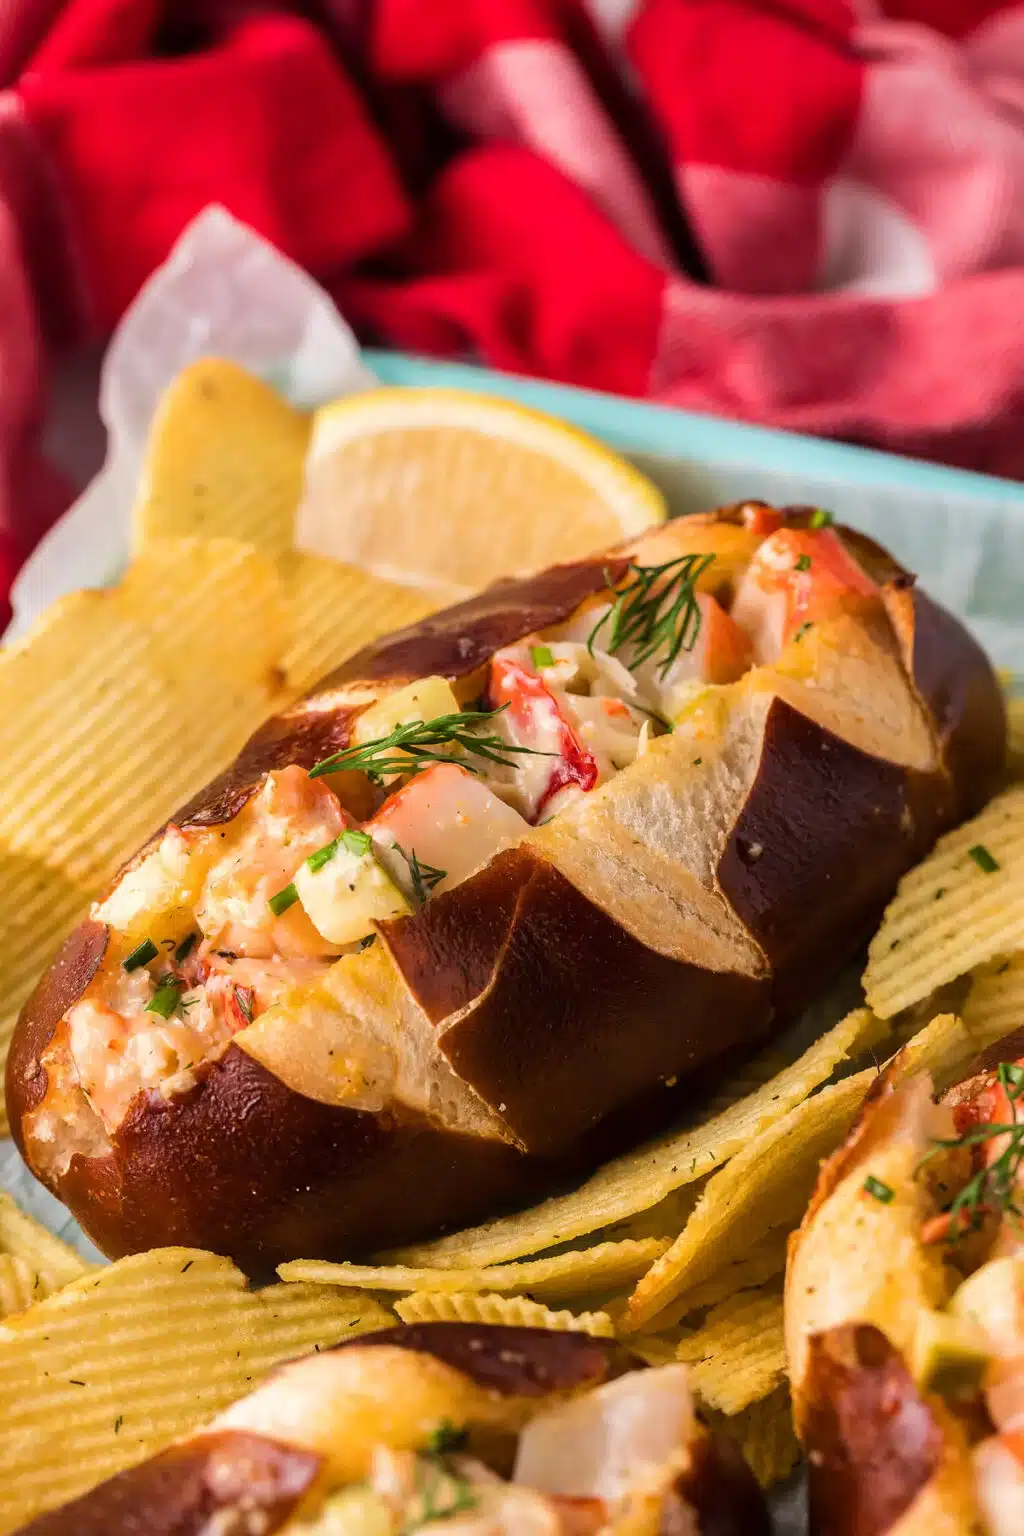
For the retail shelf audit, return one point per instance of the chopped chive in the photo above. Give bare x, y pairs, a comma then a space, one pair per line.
804, 563
445, 1438
186, 947
880, 1191
283, 900
356, 841
821, 519
984, 860
366, 942
803, 630
141, 955
541, 656
165, 998
322, 856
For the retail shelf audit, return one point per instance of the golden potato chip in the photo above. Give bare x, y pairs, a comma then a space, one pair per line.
574, 1273
768, 1183
214, 603
125, 1359
641, 1179
654, 1348
19, 1285
53, 1261
959, 908
225, 459
1015, 736
764, 1433
515, 1311
995, 1003
764, 1261
334, 609
738, 1354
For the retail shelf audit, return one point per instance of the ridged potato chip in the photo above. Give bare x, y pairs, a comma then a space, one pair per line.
638, 1181
762, 1263
19, 1285
959, 908
225, 459
334, 609
995, 1003
768, 1183
126, 1359
575, 1273
1015, 736
514, 1311
53, 1261
218, 601
738, 1354
764, 1433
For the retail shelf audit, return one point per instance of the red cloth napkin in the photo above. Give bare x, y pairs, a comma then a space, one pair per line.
808, 213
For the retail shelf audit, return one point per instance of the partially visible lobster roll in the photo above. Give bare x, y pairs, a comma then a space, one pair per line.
477, 1430
501, 892
905, 1311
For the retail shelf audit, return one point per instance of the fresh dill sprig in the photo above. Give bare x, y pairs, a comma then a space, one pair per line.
994, 1187
412, 746
424, 876
655, 611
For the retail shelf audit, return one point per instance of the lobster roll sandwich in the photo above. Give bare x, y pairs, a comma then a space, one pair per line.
905, 1311
480, 1430
501, 891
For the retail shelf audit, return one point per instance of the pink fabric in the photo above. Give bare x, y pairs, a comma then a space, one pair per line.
807, 213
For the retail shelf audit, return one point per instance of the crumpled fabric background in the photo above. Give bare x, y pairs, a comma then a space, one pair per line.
805, 213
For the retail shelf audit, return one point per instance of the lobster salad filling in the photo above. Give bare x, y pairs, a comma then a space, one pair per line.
217, 924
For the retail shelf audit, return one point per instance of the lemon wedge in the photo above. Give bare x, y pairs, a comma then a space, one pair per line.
450, 490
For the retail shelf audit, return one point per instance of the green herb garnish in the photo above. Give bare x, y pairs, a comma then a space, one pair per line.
141, 955
365, 943
447, 1437
322, 856
244, 1002
880, 1191
356, 841
984, 860
166, 997
282, 900
655, 611
821, 519
410, 747
541, 656
186, 947
424, 876
803, 629
994, 1187
803, 563
440, 1494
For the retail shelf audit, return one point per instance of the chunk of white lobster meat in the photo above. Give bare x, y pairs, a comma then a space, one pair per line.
798, 576
534, 717
998, 1464
597, 1445
440, 827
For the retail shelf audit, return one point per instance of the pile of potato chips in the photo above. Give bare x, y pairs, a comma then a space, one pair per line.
119, 705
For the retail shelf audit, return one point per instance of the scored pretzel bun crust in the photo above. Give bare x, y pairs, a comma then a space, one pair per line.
560, 1002
318, 1424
